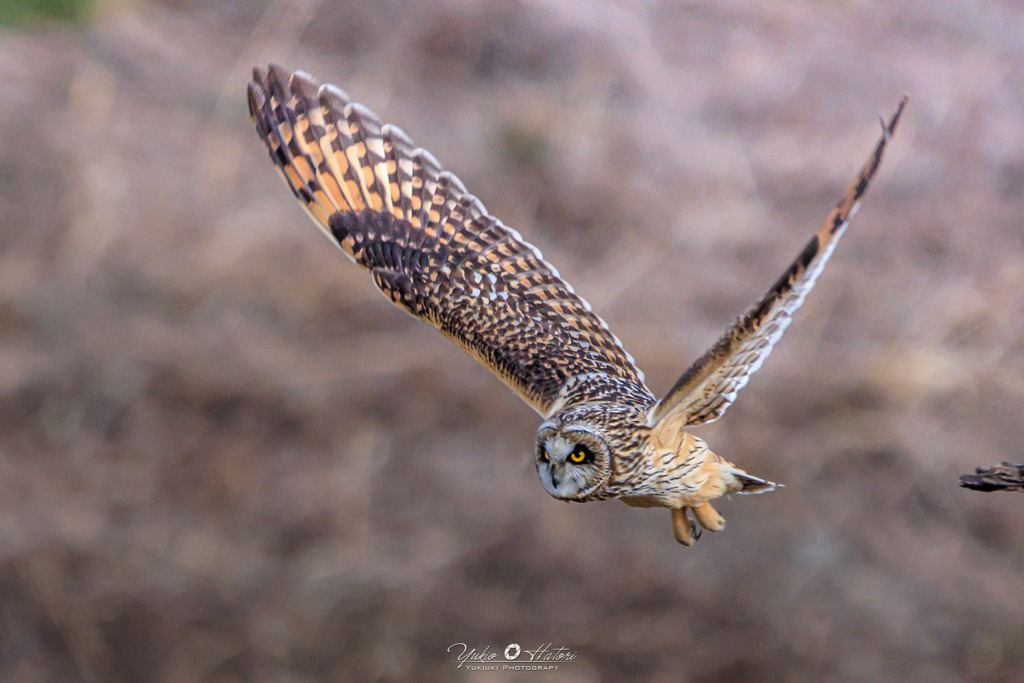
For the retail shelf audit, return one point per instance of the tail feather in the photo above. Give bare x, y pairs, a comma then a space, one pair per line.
751, 484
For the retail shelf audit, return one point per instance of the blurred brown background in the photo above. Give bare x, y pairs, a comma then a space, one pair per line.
225, 456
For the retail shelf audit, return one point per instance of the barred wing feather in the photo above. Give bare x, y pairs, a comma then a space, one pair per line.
432, 248
710, 385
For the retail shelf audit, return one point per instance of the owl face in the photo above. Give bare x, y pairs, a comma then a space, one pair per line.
573, 459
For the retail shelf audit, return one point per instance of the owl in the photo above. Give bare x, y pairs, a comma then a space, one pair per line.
433, 249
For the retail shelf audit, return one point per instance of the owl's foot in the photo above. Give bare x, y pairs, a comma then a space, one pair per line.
709, 517
683, 528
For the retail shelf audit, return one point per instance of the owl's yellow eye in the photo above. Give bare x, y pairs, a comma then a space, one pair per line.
580, 455
544, 455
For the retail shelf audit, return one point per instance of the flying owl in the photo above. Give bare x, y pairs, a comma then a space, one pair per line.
433, 249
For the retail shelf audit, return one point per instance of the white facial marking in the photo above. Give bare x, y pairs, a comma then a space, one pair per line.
561, 478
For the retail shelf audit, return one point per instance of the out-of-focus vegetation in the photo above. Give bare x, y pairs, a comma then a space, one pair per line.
28, 12
224, 456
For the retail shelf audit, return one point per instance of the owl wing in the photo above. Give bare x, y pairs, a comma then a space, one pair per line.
432, 248
710, 385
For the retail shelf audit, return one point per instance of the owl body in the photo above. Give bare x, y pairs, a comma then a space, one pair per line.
434, 251
649, 468
686, 474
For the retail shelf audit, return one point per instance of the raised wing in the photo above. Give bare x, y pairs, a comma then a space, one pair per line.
710, 385
433, 249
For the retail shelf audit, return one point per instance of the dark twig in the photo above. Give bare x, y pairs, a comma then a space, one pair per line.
1005, 477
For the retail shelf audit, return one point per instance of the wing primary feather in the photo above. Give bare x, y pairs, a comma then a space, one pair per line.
426, 170
335, 142
398, 152
284, 149
367, 154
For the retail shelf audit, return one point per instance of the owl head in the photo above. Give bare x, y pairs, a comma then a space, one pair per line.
573, 455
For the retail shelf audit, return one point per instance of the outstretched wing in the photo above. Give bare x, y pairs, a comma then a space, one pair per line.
433, 249
710, 385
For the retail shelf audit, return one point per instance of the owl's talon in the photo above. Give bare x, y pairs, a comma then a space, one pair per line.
709, 517
683, 528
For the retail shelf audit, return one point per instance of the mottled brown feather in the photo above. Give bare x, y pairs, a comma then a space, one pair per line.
433, 249
704, 392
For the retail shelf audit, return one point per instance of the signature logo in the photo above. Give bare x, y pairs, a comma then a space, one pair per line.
545, 657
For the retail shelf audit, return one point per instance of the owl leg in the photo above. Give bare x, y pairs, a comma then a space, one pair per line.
708, 517
682, 528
